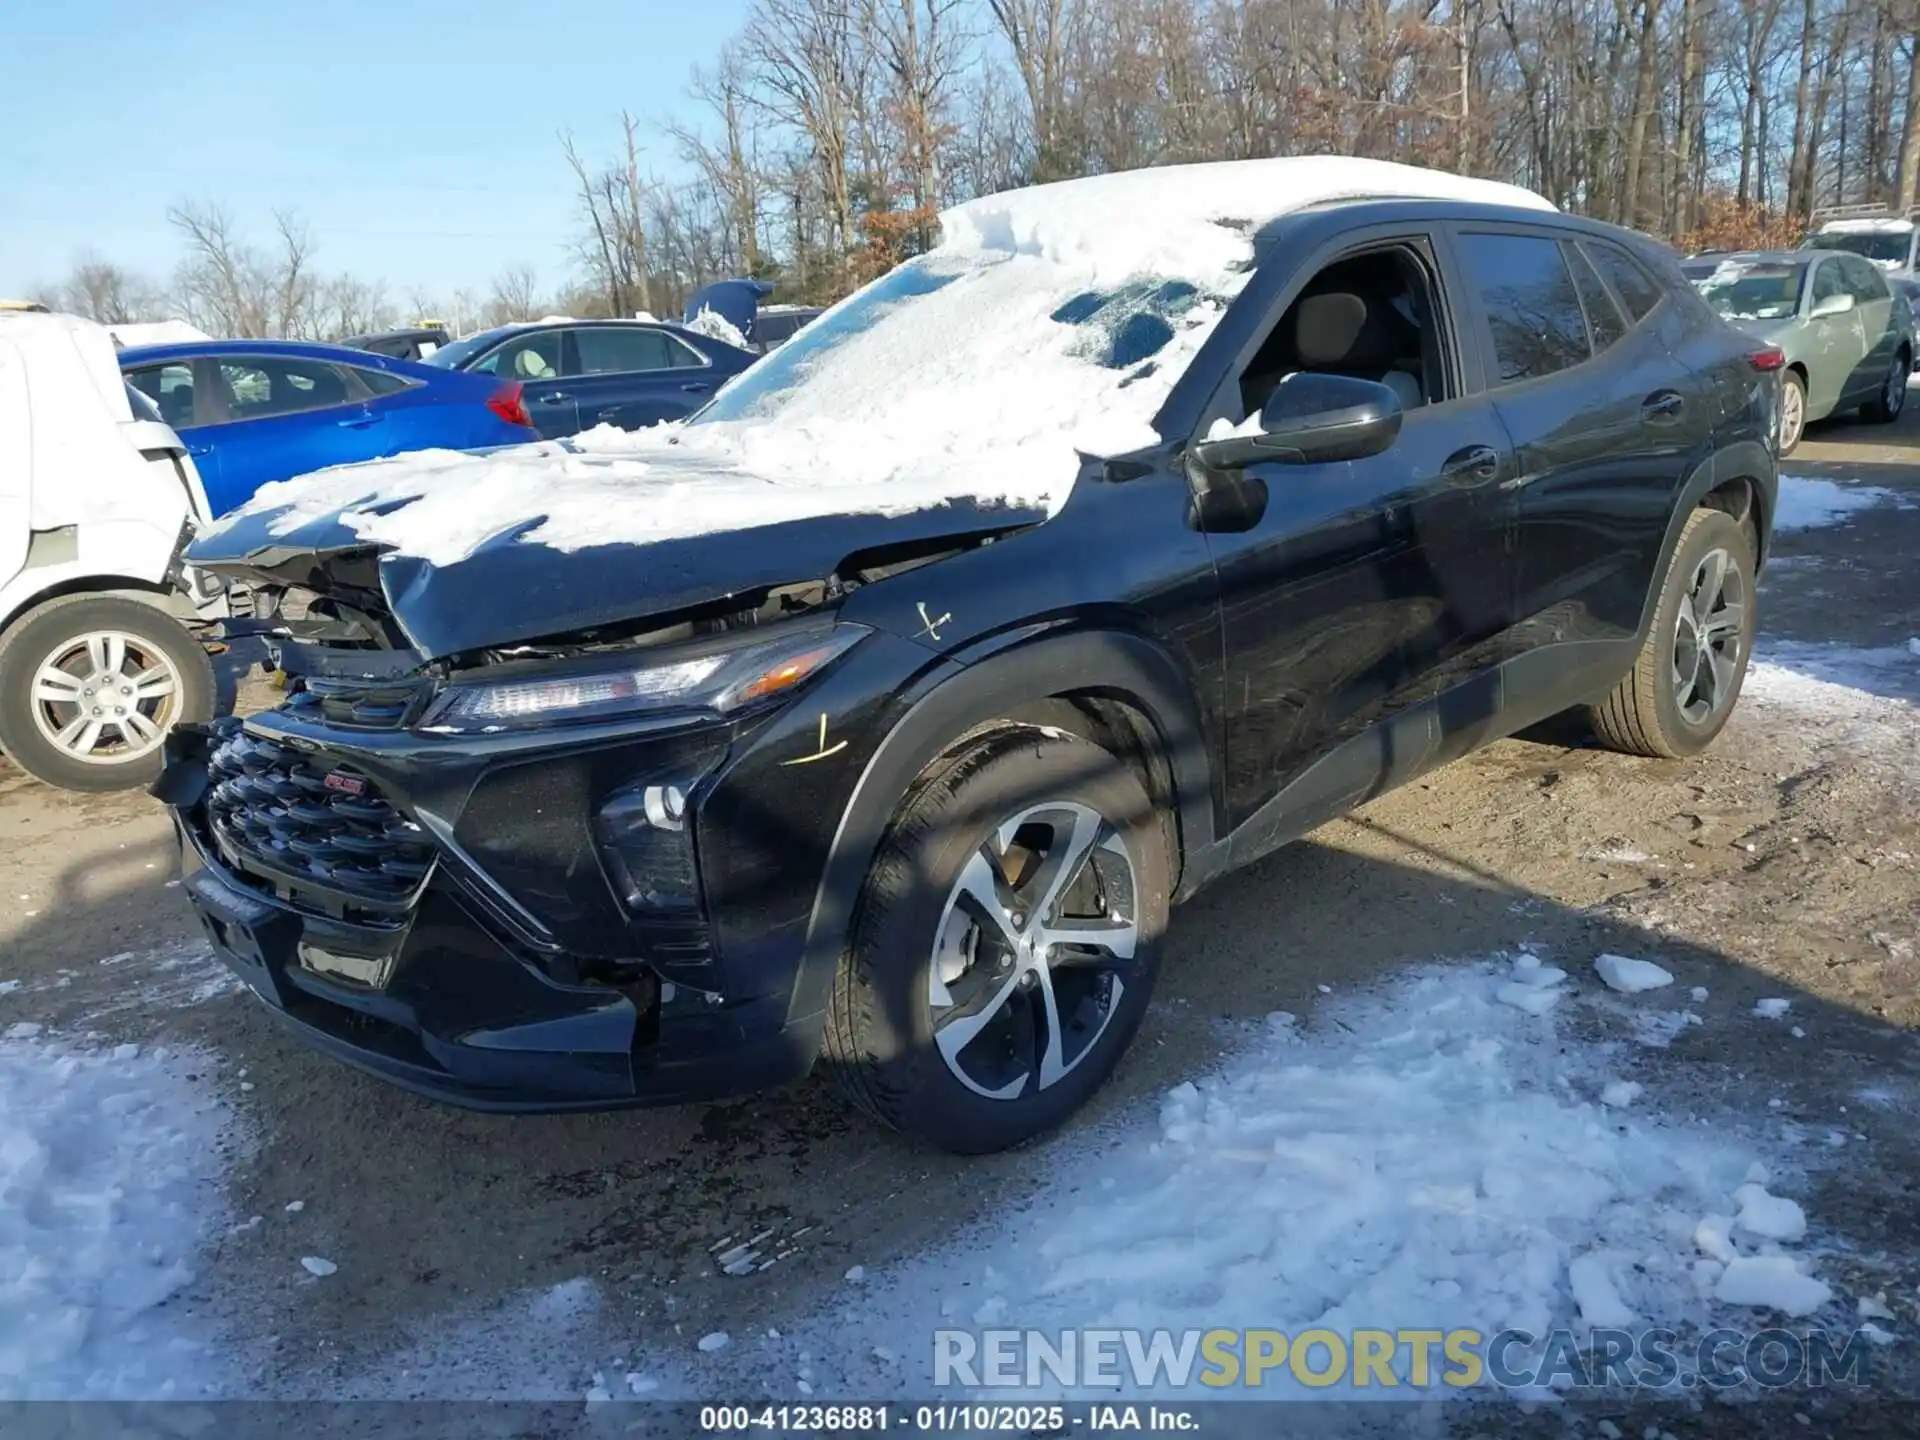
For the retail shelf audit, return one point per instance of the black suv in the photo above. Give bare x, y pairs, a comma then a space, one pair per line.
561, 821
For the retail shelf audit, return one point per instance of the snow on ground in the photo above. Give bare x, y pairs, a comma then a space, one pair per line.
1811, 501
1059, 331
1426, 1155
108, 1164
174, 976
1842, 698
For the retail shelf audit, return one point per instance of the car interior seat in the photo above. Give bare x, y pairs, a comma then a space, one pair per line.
1363, 317
530, 364
176, 406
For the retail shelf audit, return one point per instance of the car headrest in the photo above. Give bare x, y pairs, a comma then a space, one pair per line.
1339, 330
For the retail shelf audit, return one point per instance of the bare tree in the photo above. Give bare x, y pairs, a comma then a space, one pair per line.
613, 199
515, 296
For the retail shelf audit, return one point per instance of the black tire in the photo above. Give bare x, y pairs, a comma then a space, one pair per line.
1885, 407
45, 632
1795, 404
1647, 713
881, 1022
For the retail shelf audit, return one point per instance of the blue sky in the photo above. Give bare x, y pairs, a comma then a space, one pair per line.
417, 138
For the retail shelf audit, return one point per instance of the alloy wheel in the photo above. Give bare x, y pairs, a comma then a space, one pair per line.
1793, 416
1895, 394
105, 697
1033, 950
1709, 635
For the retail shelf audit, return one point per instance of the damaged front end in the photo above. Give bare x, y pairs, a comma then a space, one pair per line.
521, 865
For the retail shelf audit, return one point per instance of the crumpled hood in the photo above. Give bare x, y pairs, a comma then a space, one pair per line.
510, 587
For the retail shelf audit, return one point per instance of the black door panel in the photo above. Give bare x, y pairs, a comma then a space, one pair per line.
1359, 580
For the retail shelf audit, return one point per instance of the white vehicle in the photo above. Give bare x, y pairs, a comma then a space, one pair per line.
1873, 232
98, 499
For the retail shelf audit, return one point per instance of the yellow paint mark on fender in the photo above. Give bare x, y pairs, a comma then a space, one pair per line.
823, 752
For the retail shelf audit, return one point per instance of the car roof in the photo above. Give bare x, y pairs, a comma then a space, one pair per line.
289, 349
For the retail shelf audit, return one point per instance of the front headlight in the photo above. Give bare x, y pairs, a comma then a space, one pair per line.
719, 681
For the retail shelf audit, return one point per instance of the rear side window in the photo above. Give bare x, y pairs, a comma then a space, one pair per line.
1532, 309
1638, 290
381, 382
618, 350
262, 387
1604, 321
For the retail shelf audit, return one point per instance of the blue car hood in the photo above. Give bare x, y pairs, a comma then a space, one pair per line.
512, 591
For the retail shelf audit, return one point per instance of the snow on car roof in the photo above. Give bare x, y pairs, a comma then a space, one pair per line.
1175, 213
1048, 322
1871, 225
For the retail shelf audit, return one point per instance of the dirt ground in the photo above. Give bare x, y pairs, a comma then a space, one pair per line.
1781, 864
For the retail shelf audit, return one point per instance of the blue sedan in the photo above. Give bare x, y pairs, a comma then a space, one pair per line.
251, 411
582, 373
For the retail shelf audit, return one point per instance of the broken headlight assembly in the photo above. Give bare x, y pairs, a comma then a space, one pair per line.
719, 681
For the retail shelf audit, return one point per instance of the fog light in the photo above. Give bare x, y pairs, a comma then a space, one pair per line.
649, 852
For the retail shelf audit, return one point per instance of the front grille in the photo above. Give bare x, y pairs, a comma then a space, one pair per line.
292, 821
359, 704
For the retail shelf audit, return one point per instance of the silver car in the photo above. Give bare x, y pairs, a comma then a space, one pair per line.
1847, 338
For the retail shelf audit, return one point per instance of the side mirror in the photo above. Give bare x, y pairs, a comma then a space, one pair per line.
1310, 419
1833, 305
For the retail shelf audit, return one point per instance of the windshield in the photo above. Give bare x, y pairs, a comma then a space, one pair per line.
456, 354
1884, 247
960, 353
1767, 291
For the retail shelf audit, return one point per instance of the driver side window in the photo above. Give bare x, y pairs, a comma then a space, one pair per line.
1370, 316
1826, 281
528, 357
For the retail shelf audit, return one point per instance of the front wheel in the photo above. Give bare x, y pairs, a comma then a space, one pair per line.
1005, 944
90, 685
1682, 688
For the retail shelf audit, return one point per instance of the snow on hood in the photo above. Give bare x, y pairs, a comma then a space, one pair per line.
1049, 321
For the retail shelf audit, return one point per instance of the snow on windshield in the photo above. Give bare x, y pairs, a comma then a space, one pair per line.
1048, 321
1748, 290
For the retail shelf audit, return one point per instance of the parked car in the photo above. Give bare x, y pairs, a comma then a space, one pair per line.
879, 713
98, 499
1878, 234
774, 325
1907, 288
254, 411
414, 343
577, 374
743, 316
1847, 340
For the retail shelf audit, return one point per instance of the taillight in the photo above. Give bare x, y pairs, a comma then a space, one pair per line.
507, 404
1770, 358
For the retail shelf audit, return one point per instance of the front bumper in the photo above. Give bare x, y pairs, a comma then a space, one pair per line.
448, 987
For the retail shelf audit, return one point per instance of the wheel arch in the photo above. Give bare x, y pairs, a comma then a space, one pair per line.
20, 608
1742, 480
1115, 688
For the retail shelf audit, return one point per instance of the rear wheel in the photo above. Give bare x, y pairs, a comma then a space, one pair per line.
90, 685
1793, 412
1682, 688
1885, 407
1005, 945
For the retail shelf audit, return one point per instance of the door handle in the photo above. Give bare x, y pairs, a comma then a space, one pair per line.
199, 449
358, 422
1473, 465
1663, 407
696, 387
553, 397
